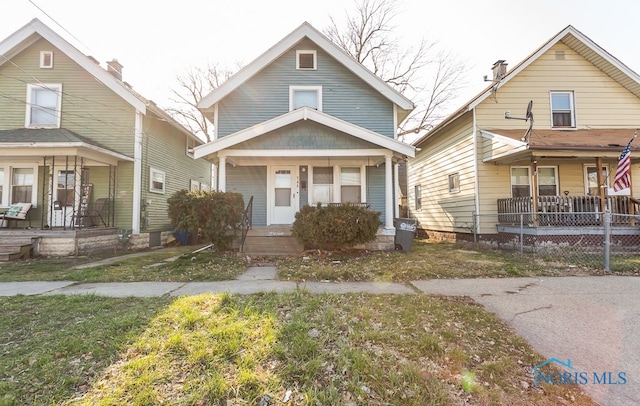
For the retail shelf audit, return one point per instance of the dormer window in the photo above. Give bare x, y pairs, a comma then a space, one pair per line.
46, 59
305, 96
43, 105
306, 60
563, 113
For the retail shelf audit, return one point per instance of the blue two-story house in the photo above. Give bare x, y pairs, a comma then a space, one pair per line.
304, 123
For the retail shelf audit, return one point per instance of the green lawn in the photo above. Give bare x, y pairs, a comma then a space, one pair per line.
225, 349
352, 349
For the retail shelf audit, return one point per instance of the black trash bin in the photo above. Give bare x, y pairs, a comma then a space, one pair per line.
405, 230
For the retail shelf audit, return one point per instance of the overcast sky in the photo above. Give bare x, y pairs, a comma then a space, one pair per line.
157, 40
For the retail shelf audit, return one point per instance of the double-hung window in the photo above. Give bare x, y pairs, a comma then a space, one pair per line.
350, 185
43, 105
563, 114
547, 181
22, 185
156, 181
454, 183
520, 182
418, 196
323, 184
305, 96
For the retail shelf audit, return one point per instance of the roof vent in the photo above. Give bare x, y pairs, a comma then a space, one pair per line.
115, 68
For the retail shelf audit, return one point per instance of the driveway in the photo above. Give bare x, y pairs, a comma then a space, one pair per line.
592, 321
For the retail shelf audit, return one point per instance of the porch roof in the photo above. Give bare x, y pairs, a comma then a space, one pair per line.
605, 143
23, 142
304, 113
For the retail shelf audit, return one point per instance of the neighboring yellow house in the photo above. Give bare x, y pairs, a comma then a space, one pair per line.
540, 139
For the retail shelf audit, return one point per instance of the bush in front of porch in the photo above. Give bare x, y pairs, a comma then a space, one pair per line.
335, 226
210, 214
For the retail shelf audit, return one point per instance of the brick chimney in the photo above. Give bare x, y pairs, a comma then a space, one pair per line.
499, 70
115, 68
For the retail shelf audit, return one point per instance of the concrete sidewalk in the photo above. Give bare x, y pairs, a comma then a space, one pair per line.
254, 280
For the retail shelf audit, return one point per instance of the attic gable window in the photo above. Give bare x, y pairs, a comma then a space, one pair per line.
306, 60
43, 105
46, 59
305, 96
563, 114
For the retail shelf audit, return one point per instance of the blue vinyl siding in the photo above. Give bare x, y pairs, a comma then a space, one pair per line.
250, 181
344, 95
375, 189
305, 135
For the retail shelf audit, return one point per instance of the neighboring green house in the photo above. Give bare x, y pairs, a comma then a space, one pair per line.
93, 157
304, 123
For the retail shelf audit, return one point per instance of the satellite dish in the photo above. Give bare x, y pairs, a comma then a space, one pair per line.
529, 115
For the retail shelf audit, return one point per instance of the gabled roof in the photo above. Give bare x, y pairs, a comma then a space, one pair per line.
303, 113
304, 30
577, 41
35, 29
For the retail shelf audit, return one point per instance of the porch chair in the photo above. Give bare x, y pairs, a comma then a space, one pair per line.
17, 212
97, 212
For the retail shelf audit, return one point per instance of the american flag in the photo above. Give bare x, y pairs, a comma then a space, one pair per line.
623, 174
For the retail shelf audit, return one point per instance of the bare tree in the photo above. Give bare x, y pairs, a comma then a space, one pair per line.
421, 72
192, 87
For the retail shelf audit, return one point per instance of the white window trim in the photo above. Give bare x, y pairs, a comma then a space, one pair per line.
293, 89
43, 58
572, 107
417, 197
307, 51
337, 186
528, 168
586, 178
557, 176
453, 190
153, 171
57, 87
8, 179
194, 185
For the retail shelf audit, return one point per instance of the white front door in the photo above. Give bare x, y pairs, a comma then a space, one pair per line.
64, 192
284, 194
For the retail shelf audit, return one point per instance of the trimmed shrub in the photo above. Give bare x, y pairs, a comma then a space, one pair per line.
335, 227
214, 215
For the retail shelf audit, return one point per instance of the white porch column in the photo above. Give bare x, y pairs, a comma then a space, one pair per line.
396, 201
222, 174
388, 192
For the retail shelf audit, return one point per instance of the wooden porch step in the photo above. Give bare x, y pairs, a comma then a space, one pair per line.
13, 248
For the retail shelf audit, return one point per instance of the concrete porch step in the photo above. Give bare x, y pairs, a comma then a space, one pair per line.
272, 240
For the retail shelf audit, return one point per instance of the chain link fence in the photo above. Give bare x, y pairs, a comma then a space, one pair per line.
596, 240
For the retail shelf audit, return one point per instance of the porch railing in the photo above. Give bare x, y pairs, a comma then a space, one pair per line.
553, 210
247, 222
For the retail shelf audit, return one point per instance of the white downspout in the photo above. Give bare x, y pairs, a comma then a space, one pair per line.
137, 174
476, 170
